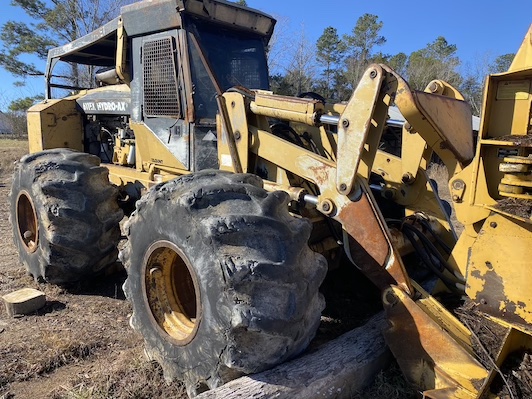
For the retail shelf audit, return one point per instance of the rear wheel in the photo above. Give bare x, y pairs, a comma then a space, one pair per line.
64, 214
220, 277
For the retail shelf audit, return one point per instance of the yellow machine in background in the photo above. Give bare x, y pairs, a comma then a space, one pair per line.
225, 246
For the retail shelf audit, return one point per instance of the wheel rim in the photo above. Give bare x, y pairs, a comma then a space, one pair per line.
27, 222
172, 292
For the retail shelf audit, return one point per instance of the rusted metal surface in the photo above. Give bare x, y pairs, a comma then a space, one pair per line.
369, 246
428, 356
493, 298
400, 242
320, 173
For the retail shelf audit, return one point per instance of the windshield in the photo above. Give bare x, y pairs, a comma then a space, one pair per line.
237, 59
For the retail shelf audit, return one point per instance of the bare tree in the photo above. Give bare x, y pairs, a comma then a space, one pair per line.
302, 69
292, 60
474, 76
280, 46
474, 73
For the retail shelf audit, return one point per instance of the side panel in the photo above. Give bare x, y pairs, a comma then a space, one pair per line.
498, 275
151, 151
157, 113
55, 124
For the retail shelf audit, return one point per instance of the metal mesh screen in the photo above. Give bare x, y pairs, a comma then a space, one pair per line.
248, 70
161, 96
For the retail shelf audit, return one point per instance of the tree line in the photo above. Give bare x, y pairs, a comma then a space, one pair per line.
333, 66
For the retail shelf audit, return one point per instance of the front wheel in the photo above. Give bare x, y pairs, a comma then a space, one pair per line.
220, 277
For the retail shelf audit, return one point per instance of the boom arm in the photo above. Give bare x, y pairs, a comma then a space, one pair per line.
344, 193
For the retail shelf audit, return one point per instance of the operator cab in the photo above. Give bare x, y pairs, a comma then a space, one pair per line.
158, 70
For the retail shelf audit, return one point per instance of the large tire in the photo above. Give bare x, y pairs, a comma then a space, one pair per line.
220, 277
65, 215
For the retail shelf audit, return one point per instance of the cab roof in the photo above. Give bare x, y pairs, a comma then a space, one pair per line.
99, 46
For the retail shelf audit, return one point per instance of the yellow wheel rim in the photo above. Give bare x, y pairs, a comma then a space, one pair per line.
27, 222
172, 291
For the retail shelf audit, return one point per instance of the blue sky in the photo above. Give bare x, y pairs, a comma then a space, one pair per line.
474, 26
478, 28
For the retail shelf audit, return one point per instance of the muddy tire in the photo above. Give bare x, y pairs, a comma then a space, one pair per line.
220, 277
65, 215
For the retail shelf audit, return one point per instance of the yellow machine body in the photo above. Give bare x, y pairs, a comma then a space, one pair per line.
490, 186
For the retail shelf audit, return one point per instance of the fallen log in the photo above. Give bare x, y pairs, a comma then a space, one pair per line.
336, 370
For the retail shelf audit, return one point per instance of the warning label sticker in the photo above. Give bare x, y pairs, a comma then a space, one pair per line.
513, 90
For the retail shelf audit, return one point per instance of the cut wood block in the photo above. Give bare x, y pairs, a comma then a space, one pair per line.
336, 370
24, 301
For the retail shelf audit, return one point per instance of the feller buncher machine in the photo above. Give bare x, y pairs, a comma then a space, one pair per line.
239, 200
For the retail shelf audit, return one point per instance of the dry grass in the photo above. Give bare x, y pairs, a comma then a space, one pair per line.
389, 384
10, 142
79, 346
130, 376
10, 151
440, 175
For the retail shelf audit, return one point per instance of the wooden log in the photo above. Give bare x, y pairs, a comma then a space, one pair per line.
336, 370
24, 301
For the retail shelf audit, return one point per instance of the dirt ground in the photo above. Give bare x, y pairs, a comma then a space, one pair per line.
80, 345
